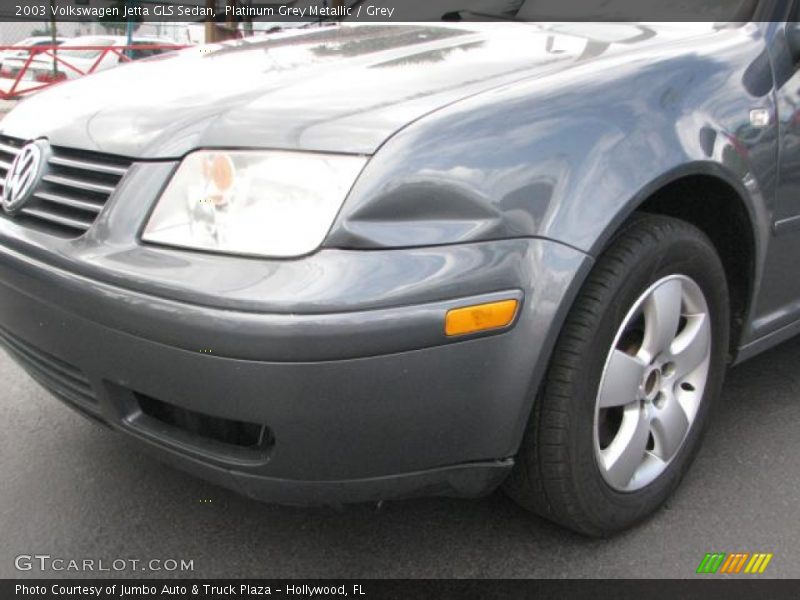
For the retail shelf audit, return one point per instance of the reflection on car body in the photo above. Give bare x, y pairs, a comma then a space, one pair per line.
378, 261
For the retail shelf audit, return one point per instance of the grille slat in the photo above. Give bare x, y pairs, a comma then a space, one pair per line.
13, 150
71, 202
57, 219
56, 375
89, 166
73, 192
7, 156
79, 184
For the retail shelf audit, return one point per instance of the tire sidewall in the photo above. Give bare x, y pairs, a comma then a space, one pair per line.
690, 254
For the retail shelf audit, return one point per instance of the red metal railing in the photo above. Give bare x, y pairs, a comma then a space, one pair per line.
48, 77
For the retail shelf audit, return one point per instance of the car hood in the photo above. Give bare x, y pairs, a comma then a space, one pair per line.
344, 88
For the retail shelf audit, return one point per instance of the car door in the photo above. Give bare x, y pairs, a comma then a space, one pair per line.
778, 303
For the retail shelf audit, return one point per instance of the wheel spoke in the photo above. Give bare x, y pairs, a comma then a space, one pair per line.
621, 380
647, 403
662, 313
692, 346
669, 426
626, 452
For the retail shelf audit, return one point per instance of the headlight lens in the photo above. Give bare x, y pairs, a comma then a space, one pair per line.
270, 203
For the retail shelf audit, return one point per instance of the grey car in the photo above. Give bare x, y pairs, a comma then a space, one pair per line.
370, 261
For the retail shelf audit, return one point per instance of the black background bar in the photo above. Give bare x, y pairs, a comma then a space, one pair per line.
701, 587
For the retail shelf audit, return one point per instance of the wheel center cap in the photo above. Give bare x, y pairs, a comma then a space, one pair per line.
651, 384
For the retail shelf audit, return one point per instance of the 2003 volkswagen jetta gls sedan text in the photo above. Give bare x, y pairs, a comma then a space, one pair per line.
360, 262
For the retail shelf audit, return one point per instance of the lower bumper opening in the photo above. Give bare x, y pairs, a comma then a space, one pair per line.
59, 377
202, 432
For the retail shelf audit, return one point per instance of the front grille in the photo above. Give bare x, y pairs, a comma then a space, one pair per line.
59, 377
73, 191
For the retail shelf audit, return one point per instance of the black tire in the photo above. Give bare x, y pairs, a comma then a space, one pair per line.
556, 473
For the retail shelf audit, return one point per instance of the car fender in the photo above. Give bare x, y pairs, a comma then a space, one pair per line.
569, 156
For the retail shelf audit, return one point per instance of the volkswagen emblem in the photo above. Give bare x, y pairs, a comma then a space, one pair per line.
23, 175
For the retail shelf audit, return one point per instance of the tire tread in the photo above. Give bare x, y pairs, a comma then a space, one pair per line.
543, 482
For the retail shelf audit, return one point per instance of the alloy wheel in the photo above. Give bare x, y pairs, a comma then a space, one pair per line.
652, 383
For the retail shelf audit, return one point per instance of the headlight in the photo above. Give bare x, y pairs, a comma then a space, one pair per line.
267, 203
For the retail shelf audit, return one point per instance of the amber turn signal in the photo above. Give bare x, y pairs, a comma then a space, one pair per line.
480, 317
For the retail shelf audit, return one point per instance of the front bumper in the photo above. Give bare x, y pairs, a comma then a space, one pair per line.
367, 402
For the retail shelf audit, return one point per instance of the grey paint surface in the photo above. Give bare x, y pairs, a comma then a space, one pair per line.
374, 79
79, 491
517, 130
493, 172
436, 403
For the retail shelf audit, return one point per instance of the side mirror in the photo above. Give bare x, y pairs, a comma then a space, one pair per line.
793, 40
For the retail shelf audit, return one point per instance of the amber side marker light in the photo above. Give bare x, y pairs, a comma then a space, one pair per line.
480, 317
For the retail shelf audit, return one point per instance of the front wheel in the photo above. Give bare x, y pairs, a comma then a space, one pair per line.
635, 372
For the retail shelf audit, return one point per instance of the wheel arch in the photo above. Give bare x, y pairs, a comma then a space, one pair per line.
708, 197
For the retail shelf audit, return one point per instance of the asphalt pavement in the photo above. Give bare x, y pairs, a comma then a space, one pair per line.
73, 490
